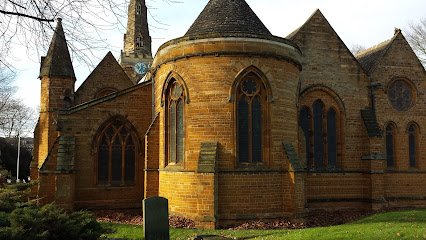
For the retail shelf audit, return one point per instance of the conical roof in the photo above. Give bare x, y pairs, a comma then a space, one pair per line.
228, 16
57, 61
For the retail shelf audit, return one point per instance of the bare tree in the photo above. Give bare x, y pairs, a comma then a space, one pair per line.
15, 117
30, 23
357, 48
7, 90
416, 36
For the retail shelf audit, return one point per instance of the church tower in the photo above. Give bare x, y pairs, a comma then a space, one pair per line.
136, 56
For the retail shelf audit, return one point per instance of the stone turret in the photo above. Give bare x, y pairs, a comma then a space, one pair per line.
137, 42
57, 74
57, 93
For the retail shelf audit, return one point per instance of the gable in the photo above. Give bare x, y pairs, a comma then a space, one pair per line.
400, 56
326, 59
106, 78
316, 35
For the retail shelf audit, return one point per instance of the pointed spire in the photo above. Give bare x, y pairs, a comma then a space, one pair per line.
57, 61
228, 16
137, 38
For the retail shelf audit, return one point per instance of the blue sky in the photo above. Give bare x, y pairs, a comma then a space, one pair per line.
363, 22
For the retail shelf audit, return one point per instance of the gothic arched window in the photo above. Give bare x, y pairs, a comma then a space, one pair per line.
321, 121
412, 145
175, 122
390, 145
115, 155
331, 138
251, 122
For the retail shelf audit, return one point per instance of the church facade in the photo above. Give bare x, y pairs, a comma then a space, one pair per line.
232, 123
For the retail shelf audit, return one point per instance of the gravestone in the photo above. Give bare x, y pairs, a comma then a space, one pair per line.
156, 218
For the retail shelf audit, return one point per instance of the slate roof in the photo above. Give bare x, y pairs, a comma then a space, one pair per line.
57, 61
369, 57
228, 16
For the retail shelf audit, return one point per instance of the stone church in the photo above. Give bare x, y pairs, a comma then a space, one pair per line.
232, 123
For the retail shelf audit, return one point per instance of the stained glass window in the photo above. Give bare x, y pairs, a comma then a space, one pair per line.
256, 123
250, 120
179, 131
390, 135
243, 131
412, 135
400, 95
331, 138
129, 171
103, 160
318, 134
175, 127
116, 155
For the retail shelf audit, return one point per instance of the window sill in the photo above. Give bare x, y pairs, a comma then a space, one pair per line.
251, 167
115, 185
325, 170
173, 167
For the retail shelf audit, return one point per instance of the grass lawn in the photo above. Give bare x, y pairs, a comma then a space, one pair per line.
409, 224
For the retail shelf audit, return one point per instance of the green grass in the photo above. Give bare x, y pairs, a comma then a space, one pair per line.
409, 224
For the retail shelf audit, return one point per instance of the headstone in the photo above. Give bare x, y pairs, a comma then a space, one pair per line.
156, 218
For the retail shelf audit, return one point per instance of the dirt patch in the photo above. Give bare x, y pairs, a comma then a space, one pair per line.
134, 217
316, 218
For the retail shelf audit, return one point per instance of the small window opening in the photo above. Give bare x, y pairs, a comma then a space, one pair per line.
138, 42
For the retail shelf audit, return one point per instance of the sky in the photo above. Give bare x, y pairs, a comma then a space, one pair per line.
362, 22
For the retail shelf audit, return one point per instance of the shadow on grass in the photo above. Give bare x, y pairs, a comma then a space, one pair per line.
251, 237
218, 237
395, 217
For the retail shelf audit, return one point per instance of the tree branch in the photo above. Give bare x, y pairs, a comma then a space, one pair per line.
27, 16
14, 3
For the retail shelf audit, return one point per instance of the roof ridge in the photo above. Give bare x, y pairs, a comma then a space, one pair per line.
373, 48
368, 58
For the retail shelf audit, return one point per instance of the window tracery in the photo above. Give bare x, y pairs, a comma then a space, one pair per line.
251, 120
320, 119
401, 95
115, 155
175, 122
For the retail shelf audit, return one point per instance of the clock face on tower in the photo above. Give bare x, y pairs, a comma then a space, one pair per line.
140, 68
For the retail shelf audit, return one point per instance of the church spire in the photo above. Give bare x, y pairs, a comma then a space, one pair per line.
137, 38
136, 56
57, 61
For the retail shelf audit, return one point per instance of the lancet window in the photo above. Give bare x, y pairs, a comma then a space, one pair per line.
251, 120
390, 144
175, 122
